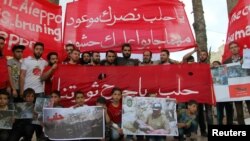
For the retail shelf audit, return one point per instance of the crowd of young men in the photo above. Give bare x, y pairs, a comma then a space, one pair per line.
33, 71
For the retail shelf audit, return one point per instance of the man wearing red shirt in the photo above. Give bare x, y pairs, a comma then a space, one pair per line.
48, 72
3, 65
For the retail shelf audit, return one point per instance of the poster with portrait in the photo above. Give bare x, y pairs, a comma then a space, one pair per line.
231, 82
74, 123
149, 116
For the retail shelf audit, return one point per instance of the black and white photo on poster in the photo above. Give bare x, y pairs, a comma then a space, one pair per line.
24, 110
74, 123
42, 103
39, 105
6, 119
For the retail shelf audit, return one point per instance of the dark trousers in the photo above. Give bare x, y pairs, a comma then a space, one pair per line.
201, 118
4, 134
188, 131
22, 128
240, 112
155, 138
38, 128
229, 112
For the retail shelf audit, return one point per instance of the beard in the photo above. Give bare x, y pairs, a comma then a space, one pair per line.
37, 56
146, 61
126, 56
96, 61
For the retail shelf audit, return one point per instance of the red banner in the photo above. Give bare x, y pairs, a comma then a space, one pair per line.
238, 27
28, 21
183, 82
101, 25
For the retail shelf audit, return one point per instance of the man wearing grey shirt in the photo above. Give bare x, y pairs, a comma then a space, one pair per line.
14, 67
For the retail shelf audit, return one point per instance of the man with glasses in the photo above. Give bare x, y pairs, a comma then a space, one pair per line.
14, 68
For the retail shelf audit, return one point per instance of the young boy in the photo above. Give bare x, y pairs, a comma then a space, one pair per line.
80, 99
101, 101
115, 114
4, 99
24, 127
55, 97
186, 121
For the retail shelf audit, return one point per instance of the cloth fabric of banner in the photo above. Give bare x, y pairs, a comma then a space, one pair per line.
238, 27
28, 21
100, 25
183, 82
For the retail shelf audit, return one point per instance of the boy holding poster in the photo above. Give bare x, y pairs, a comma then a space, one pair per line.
80, 99
115, 114
56, 98
4, 99
24, 127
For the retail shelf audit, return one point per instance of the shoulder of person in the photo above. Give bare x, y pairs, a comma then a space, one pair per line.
227, 61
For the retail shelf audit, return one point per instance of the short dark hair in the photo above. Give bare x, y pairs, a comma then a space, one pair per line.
233, 42
190, 58
149, 52
2, 38
110, 51
92, 53
50, 54
15, 47
4, 92
217, 62
29, 91
101, 100
116, 89
75, 50
166, 51
204, 51
67, 45
192, 102
87, 52
38, 44
79, 92
56, 92
126, 45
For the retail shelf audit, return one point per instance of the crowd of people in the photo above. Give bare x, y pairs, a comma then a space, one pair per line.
23, 80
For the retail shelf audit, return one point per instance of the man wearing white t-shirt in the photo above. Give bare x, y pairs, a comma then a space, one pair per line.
31, 71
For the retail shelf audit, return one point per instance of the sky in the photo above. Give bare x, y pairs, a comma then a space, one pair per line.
216, 18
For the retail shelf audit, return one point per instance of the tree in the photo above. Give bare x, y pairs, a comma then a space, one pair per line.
230, 5
199, 25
